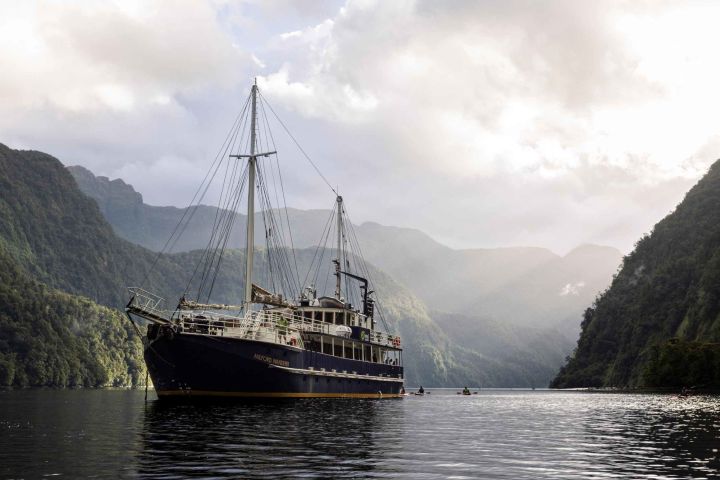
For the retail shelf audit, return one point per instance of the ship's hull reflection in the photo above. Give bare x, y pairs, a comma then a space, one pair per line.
282, 437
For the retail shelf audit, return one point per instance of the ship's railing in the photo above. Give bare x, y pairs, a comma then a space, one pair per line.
268, 325
147, 302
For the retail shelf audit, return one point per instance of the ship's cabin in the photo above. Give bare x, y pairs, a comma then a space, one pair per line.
333, 311
354, 336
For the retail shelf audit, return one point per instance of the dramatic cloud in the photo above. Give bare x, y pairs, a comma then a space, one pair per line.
481, 123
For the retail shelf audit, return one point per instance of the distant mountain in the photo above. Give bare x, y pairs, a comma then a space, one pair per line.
532, 354
520, 285
553, 293
150, 226
658, 325
536, 295
56, 239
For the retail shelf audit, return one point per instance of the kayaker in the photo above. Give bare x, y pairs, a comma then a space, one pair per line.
421, 389
466, 391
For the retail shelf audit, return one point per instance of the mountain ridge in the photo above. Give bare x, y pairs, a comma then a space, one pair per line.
58, 235
447, 279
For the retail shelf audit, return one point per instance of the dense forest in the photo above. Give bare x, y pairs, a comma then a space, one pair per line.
51, 338
658, 325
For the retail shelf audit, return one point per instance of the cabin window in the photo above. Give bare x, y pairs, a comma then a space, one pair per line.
317, 316
348, 351
307, 315
337, 348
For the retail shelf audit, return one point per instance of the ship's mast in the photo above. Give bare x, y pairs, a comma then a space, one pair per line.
252, 166
338, 260
250, 234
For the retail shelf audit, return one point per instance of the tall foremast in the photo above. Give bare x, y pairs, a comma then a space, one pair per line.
250, 234
252, 167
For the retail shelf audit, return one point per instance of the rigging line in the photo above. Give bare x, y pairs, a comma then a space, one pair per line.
298, 145
221, 215
208, 259
227, 236
274, 259
227, 145
192, 201
329, 265
221, 231
196, 207
282, 189
317, 247
238, 130
268, 229
221, 153
323, 251
281, 258
364, 265
268, 250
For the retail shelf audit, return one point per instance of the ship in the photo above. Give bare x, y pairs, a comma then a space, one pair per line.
283, 339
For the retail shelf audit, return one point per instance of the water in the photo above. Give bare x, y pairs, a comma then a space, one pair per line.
496, 434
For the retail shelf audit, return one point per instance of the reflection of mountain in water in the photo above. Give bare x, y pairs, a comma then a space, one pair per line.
314, 437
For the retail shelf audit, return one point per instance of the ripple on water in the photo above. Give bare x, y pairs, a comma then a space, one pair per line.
494, 434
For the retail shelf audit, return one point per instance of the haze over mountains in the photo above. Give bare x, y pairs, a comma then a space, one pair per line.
504, 303
522, 285
63, 262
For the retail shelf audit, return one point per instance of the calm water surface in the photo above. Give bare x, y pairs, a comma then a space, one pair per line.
496, 434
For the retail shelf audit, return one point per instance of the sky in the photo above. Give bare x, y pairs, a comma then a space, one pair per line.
481, 123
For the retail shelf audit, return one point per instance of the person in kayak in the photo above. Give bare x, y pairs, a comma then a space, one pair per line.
466, 391
421, 389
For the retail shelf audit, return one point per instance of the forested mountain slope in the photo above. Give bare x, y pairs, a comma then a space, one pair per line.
519, 285
659, 322
51, 338
54, 234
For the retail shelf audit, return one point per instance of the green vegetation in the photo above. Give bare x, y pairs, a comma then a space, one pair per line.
659, 321
55, 235
520, 286
51, 338
679, 363
56, 240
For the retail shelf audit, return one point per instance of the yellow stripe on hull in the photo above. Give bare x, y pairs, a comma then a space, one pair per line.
210, 393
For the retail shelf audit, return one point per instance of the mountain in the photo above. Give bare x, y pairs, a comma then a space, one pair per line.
150, 226
658, 325
554, 293
56, 236
521, 285
532, 354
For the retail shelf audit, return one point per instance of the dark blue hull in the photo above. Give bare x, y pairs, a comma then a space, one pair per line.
191, 365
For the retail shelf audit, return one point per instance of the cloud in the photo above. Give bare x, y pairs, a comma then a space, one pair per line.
71, 55
537, 119
572, 289
482, 123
